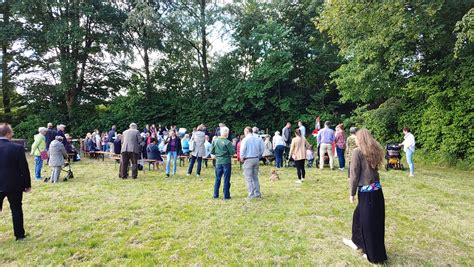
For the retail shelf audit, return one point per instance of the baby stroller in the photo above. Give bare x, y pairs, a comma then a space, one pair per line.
393, 157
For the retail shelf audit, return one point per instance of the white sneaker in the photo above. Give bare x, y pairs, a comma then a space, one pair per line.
197, 175
411, 175
341, 169
188, 174
302, 179
299, 182
349, 243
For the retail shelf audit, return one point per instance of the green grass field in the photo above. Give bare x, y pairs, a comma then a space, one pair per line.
97, 219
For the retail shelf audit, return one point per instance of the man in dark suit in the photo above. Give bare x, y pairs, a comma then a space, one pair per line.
50, 135
14, 177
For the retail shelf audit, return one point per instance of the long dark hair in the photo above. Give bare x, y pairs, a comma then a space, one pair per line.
298, 132
370, 148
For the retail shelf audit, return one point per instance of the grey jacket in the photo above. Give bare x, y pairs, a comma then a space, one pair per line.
198, 138
286, 135
131, 140
268, 149
57, 153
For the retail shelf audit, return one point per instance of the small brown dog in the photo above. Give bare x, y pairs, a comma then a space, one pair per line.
274, 177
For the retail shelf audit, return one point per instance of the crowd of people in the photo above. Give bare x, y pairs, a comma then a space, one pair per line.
364, 155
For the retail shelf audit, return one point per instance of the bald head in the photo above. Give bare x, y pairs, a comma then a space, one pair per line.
6, 130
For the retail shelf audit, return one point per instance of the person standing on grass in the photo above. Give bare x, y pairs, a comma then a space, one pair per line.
61, 132
268, 151
57, 153
340, 139
251, 151
302, 129
185, 145
105, 142
409, 148
14, 177
111, 136
223, 150
131, 149
278, 147
118, 144
325, 139
208, 148
50, 135
199, 150
298, 153
351, 144
173, 147
286, 133
368, 223
38, 147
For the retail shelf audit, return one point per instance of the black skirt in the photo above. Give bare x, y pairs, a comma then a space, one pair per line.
368, 225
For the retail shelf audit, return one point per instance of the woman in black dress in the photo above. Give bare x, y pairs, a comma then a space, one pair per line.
368, 224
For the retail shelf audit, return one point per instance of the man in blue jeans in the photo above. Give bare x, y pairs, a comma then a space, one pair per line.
409, 148
222, 150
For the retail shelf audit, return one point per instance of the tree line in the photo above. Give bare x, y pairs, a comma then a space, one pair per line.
383, 65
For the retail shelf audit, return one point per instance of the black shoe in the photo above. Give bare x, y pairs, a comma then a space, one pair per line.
20, 238
167, 175
134, 177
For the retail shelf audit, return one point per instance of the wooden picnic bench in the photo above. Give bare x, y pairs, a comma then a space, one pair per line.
101, 154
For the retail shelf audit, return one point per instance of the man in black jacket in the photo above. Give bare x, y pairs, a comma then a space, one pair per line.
50, 135
14, 177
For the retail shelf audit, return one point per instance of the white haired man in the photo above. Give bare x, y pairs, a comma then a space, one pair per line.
130, 151
223, 150
251, 150
38, 147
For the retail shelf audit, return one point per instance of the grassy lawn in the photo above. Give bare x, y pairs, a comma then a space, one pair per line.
98, 219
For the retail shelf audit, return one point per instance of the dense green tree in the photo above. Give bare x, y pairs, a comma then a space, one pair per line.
145, 33
10, 32
400, 65
71, 41
280, 67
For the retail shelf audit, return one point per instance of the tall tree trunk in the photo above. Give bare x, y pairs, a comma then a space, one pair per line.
146, 60
69, 80
205, 68
6, 86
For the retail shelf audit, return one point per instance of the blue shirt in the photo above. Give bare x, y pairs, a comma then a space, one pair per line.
185, 145
303, 130
326, 136
251, 147
208, 147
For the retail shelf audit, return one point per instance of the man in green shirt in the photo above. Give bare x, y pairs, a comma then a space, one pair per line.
222, 150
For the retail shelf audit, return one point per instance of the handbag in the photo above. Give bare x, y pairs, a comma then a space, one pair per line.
44, 155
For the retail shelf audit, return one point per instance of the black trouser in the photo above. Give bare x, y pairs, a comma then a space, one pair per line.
368, 225
299, 164
15, 198
125, 161
191, 165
